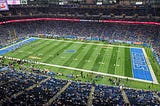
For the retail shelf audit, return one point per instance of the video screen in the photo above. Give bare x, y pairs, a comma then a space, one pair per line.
3, 5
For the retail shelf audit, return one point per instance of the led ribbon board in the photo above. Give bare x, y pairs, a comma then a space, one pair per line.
13, 2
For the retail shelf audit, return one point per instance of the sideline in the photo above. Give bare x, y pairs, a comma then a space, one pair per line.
17, 43
150, 67
83, 70
87, 43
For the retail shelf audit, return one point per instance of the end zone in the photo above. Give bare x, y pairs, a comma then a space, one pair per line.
141, 67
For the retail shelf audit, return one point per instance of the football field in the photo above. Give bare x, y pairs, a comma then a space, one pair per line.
72, 57
96, 57
93, 57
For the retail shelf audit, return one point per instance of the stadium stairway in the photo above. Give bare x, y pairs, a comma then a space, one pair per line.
31, 87
58, 93
27, 89
7, 82
158, 98
90, 99
125, 97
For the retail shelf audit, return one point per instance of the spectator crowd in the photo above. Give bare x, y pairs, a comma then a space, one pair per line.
20, 87
110, 31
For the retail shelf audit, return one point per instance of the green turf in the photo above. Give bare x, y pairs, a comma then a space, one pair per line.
113, 61
97, 57
119, 69
101, 58
128, 65
86, 57
73, 57
154, 63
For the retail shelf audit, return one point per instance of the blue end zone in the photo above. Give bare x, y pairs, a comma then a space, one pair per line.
15, 46
139, 66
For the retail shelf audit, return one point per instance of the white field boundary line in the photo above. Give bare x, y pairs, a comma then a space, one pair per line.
89, 71
83, 70
131, 63
15, 43
150, 67
87, 43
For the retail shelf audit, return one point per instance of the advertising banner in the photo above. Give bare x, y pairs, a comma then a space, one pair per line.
23, 1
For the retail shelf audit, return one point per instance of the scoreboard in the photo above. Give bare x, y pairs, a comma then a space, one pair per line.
3, 5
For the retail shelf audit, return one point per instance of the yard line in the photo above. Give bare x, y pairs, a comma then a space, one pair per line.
80, 56
91, 60
113, 60
119, 69
82, 62
99, 58
69, 61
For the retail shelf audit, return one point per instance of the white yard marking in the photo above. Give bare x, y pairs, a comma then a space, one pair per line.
87, 61
116, 65
63, 57
20, 51
75, 59
30, 52
101, 63
40, 54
